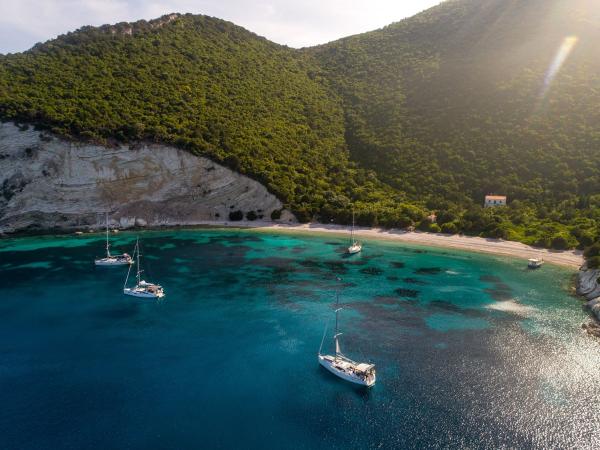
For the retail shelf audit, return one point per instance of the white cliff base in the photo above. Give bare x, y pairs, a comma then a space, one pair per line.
589, 287
49, 183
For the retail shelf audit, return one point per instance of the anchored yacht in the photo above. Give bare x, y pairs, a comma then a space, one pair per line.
342, 366
142, 288
113, 260
355, 246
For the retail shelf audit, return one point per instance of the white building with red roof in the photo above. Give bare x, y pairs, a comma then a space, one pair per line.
491, 201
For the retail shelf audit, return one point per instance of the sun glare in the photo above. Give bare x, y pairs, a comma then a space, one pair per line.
561, 57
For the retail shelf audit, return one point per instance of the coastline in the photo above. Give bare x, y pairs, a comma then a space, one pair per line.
572, 259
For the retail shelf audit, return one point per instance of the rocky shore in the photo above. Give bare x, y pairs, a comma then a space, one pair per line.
588, 286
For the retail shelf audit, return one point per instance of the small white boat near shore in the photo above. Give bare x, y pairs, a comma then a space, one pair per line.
355, 246
342, 366
535, 263
142, 288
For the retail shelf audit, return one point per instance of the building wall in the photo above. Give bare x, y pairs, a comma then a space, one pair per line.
491, 203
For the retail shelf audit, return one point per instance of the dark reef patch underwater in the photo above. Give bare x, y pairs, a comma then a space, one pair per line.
484, 354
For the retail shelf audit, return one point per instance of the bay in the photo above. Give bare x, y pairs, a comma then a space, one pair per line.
471, 350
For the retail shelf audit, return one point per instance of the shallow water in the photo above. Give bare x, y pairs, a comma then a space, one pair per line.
471, 350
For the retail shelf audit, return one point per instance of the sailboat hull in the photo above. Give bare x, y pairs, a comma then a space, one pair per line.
353, 250
340, 369
142, 293
112, 261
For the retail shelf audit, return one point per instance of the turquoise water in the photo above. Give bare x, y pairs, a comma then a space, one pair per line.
471, 350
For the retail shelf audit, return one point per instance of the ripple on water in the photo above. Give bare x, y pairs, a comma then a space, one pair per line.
453, 322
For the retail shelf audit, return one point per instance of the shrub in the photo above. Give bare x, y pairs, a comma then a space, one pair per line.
593, 262
236, 216
251, 215
276, 214
424, 225
449, 228
592, 251
303, 215
559, 242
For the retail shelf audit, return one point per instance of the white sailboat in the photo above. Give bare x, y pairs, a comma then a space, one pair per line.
113, 260
535, 263
355, 246
142, 288
342, 366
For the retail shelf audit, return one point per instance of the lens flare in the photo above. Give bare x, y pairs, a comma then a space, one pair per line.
561, 57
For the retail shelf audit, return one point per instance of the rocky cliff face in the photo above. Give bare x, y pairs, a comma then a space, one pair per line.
49, 183
588, 286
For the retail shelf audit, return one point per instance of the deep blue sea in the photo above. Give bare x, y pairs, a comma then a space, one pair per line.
472, 351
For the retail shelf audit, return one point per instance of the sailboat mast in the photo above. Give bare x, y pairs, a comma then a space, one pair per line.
337, 311
352, 229
107, 246
137, 246
336, 336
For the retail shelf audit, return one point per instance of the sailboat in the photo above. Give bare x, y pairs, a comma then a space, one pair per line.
355, 246
342, 366
113, 260
142, 288
535, 263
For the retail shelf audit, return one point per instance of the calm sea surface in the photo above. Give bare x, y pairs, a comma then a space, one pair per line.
471, 350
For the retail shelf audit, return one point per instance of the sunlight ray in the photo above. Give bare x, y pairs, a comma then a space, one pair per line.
561, 57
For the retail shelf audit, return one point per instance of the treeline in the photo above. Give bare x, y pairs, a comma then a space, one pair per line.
201, 84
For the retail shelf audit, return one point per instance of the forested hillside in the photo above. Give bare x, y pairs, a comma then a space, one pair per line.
456, 102
202, 84
428, 114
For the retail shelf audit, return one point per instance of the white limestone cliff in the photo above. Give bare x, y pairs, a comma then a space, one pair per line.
49, 183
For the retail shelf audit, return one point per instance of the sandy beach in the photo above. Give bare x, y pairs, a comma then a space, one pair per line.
571, 258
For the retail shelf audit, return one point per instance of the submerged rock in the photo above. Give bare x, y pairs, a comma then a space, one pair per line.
409, 293
371, 271
593, 328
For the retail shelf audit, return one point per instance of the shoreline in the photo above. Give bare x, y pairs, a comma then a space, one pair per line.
572, 259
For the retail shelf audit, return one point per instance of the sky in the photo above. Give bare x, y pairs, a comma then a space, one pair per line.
297, 23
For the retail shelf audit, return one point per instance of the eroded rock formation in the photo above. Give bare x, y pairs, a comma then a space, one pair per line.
589, 288
49, 183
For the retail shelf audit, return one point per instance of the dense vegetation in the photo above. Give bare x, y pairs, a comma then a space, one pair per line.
452, 104
428, 114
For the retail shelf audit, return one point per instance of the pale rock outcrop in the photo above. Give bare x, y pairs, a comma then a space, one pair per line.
588, 287
49, 183
587, 283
